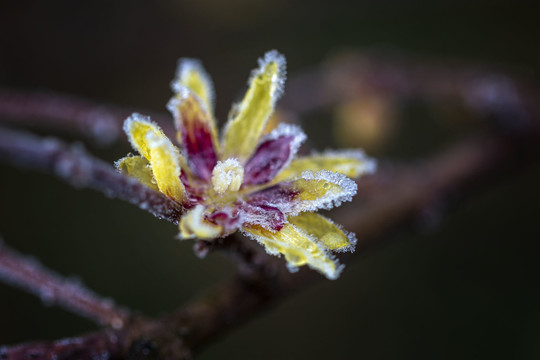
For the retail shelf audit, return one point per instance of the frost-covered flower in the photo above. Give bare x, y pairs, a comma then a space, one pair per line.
249, 180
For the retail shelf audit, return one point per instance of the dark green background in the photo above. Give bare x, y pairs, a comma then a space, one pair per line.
466, 288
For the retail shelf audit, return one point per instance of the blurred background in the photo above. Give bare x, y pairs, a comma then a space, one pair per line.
465, 287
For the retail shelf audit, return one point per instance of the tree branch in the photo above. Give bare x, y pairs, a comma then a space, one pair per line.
82, 170
27, 273
352, 75
105, 345
388, 199
98, 122
396, 78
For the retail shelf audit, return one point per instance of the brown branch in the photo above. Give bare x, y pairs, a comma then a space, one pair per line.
397, 78
81, 170
353, 75
390, 198
105, 345
27, 273
422, 192
98, 122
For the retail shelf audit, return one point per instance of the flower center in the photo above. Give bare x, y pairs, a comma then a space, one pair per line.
227, 175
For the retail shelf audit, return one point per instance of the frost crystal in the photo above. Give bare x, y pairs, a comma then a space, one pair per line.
369, 165
337, 188
278, 79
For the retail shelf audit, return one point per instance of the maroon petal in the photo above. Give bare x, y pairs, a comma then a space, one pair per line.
266, 216
280, 196
199, 148
196, 133
273, 154
227, 217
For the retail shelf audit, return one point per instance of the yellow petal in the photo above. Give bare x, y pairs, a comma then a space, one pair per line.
136, 128
165, 161
351, 163
193, 225
322, 190
191, 74
312, 191
139, 168
147, 138
250, 117
298, 247
274, 120
324, 230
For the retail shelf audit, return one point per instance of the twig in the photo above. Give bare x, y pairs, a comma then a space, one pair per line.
105, 345
402, 194
82, 170
27, 273
395, 77
101, 123
390, 198
349, 76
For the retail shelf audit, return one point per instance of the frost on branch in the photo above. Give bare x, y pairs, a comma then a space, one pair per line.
82, 170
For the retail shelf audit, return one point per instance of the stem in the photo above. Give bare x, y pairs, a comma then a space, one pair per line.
27, 273
397, 78
106, 345
98, 122
82, 170
390, 198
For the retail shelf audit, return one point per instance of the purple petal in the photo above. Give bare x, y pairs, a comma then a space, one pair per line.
273, 154
198, 144
226, 217
280, 196
196, 127
266, 216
